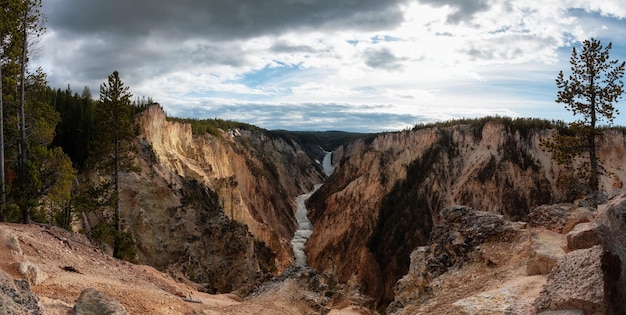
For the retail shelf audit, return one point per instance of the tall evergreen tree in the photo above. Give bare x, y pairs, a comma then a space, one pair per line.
9, 22
589, 92
31, 26
115, 124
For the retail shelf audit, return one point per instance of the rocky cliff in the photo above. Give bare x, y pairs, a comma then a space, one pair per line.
384, 198
197, 196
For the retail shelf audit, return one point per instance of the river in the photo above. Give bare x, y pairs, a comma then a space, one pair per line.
305, 227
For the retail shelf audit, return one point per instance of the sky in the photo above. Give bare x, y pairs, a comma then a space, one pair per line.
352, 65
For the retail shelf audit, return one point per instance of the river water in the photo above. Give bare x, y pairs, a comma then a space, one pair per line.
305, 227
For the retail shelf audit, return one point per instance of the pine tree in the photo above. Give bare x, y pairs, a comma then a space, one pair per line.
590, 92
31, 25
115, 125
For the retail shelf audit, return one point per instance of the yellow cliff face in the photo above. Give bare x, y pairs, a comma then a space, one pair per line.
255, 176
385, 196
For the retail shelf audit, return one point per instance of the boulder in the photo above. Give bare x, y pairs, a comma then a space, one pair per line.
586, 235
413, 286
579, 215
613, 216
16, 297
32, 273
578, 282
492, 302
93, 302
545, 251
551, 217
10, 241
563, 312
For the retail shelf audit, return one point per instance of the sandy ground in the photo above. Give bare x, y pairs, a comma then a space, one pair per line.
141, 289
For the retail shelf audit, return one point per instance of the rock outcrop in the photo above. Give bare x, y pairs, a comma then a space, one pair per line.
218, 208
255, 174
16, 296
93, 302
455, 240
384, 198
578, 282
32, 273
545, 251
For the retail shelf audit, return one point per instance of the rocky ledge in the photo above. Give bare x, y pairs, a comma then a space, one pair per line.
566, 259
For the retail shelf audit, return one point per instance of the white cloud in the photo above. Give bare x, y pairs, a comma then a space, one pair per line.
424, 59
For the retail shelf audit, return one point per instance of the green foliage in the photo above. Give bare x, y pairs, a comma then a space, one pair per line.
328, 140
266, 257
212, 126
590, 92
125, 247
75, 130
523, 125
103, 233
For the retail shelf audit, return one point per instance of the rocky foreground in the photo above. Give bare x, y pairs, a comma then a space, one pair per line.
46, 270
477, 262
565, 260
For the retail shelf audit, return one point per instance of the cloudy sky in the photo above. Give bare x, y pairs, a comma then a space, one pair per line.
356, 65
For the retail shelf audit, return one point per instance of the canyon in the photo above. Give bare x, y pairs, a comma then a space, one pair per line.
223, 214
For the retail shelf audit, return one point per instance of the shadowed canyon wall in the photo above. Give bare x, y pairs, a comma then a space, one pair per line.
382, 200
196, 190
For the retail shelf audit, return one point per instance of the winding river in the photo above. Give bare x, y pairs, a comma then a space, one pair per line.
305, 227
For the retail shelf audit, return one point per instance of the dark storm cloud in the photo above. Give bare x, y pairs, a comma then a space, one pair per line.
219, 19
464, 9
382, 58
283, 47
144, 38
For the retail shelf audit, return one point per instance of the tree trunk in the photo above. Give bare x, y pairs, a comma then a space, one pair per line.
118, 225
23, 146
3, 196
593, 158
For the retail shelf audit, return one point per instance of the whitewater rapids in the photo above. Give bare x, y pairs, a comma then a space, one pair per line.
305, 227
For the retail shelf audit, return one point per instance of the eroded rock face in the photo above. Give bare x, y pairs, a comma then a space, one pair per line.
218, 209
613, 216
384, 198
255, 175
453, 242
220, 254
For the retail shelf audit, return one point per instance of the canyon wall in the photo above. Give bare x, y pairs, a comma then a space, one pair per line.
383, 199
195, 193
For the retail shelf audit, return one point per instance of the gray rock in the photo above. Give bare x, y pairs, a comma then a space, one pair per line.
613, 216
493, 302
551, 217
563, 312
92, 302
16, 297
32, 273
579, 215
11, 241
545, 251
578, 282
586, 235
